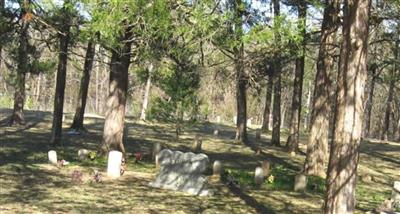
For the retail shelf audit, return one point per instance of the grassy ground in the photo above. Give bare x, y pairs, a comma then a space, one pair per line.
28, 184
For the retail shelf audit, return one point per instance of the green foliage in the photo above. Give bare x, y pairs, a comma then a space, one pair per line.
6, 101
316, 184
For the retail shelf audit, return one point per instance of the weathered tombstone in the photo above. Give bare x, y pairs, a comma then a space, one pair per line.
114, 164
259, 176
396, 193
217, 168
258, 134
234, 120
266, 167
83, 154
216, 132
52, 156
182, 172
300, 182
249, 122
218, 119
196, 147
156, 149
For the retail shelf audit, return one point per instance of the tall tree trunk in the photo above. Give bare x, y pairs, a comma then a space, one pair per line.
276, 106
368, 105
344, 153
146, 93
2, 3
317, 148
17, 117
61, 78
293, 138
389, 103
267, 107
308, 109
241, 79
77, 123
116, 101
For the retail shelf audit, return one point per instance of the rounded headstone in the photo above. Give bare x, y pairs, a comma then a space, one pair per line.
217, 168
114, 164
52, 156
216, 132
259, 176
300, 182
83, 154
196, 147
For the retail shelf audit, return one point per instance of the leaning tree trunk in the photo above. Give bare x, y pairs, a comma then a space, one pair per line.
368, 105
293, 138
241, 79
61, 77
116, 101
276, 106
317, 148
77, 123
146, 93
267, 107
344, 153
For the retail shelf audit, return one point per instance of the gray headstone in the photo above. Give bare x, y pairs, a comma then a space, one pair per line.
300, 182
259, 176
396, 194
217, 168
196, 147
83, 154
182, 172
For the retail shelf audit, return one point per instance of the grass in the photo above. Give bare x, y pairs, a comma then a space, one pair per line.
28, 184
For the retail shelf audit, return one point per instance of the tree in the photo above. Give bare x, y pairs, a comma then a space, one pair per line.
17, 116
352, 73
293, 138
267, 107
368, 106
77, 123
317, 148
64, 40
276, 68
146, 92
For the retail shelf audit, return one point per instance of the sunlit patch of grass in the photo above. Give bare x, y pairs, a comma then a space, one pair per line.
369, 197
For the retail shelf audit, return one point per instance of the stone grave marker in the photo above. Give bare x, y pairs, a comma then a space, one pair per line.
196, 147
156, 149
396, 194
259, 176
216, 132
114, 164
182, 172
52, 157
217, 168
83, 154
300, 182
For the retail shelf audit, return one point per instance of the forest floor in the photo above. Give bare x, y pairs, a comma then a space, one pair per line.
29, 184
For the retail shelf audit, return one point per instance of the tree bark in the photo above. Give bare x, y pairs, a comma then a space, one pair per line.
241, 79
146, 93
344, 153
77, 123
61, 78
116, 101
17, 117
276, 108
368, 105
389, 103
317, 148
267, 108
293, 138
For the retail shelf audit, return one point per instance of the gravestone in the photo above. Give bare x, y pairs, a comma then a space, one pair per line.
218, 119
157, 162
234, 120
300, 182
182, 172
396, 194
156, 149
52, 156
83, 154
249, 122
196, 147
266, 167
259, 176
217, 168
114, 164
216, 132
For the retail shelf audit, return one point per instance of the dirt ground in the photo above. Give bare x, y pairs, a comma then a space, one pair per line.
29, 184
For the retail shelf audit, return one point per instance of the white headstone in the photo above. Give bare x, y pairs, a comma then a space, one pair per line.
218, 119
216, 132
259, 176
52, 157
249, 122
300, 182
83, 154
114, 164
217, 168
234, 120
